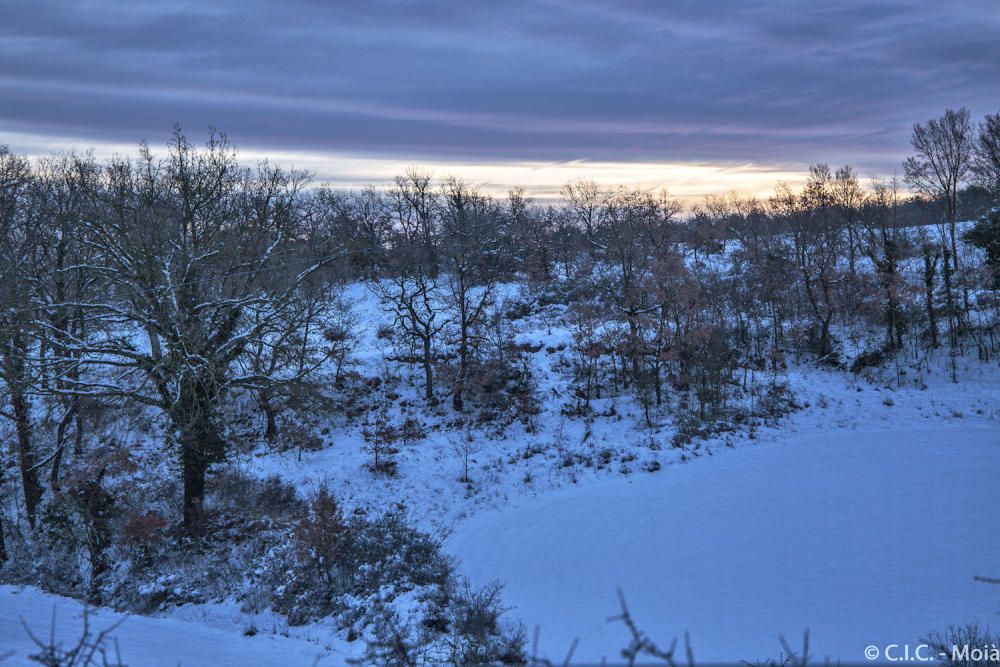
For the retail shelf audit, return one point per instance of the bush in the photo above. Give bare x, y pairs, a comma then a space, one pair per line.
456, 625
986, 236
477, 634
318, 536
971, 636
867, 359
376, 577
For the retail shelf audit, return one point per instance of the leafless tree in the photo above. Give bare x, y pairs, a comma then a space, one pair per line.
465, 445
67, 185
817, 246
943, 157
415, 300
200, 257
885, 242
931, 254
469, 249
986, 161
289, 349
633, 229
527, 237
20, 253
585, 201
363, 222
415, 205
848, 198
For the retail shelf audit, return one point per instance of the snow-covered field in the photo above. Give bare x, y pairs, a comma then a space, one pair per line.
863, 536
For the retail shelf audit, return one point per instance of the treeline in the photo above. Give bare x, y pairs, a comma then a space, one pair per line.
173, 286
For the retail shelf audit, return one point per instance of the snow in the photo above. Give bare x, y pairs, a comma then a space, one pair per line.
862, 536
143, 641
863, 517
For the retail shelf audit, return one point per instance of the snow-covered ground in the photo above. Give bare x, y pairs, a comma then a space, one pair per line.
143, 641
519, 464
863, 516
866, 537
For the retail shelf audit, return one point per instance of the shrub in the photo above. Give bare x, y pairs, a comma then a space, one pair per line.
143, 528
971, 636
319, 534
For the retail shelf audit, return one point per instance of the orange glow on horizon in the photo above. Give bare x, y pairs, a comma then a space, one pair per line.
688, 182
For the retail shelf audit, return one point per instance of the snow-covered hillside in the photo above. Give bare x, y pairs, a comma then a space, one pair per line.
863, 517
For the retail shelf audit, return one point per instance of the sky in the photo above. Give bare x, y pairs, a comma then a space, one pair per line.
692, 96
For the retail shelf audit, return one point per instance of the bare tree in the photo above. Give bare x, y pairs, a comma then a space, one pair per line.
362, 220
931, 254
469, 247
416, 204
986, 161
585, 201
465, 445
816, 249
20, 250
381, 436
412, 291
201, 257
527, 242
415, 301
848, 198
943, 157
290, 348
886, 244
633, 229
67, 185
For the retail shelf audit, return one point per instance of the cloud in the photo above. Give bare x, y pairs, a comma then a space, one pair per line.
540, 81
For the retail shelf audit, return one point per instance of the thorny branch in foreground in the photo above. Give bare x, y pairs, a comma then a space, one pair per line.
641, 645
90, 651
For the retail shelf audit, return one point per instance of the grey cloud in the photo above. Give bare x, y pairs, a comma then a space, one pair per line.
768, 82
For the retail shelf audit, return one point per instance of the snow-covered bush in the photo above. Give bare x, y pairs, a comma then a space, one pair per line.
501, 382
453, 625
970, 637
382, 580
69, 551
380, 435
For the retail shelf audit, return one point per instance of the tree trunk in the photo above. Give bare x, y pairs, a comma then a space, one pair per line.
428, 371
930, 267
851, 258
952, 215
60, 449
193, 469
946, 268
271, 423
78, 430
463, 352
200, 443
96, 505
633, 351
825, 345
3, 543
26, 455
